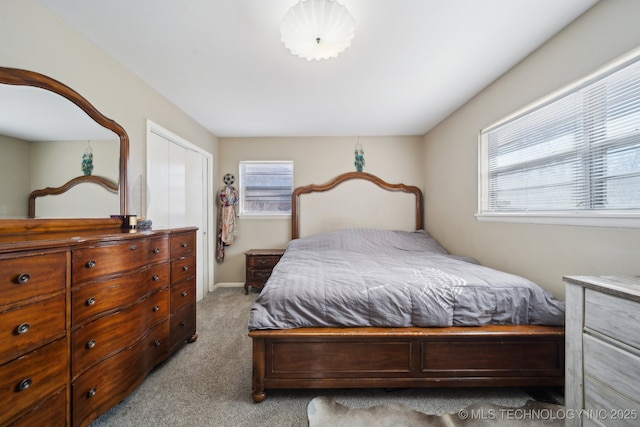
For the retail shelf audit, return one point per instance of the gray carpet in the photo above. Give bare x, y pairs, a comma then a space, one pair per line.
208, 383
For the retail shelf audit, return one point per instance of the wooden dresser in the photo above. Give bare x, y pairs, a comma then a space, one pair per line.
602, 386
86, 315
259, 264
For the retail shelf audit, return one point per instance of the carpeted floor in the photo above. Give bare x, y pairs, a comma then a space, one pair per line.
208, 383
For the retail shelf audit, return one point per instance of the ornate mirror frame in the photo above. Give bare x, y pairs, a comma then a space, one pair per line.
20, 77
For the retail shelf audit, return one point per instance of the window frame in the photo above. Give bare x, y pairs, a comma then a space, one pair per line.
242, 212
594, 217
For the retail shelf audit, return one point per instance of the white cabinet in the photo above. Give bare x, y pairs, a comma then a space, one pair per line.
602, 385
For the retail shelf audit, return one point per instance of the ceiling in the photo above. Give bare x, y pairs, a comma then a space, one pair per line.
411, 64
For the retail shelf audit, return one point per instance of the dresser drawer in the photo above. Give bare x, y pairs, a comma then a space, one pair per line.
90, 263
600, 399
32, 378
182, 269
102, 297
181, 295
29, 326
183, 245
29, 276
105, 336
610, 365
50, 413
624, 326
107, 383
183, 325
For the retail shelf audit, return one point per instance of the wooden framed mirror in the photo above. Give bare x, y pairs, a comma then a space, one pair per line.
19, 82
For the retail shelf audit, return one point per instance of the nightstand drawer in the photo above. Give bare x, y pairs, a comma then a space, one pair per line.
264, 261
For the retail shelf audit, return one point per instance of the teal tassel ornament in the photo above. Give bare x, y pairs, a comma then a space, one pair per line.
359, 153
87, 161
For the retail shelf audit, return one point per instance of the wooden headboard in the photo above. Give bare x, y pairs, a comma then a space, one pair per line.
361, 176
108, 184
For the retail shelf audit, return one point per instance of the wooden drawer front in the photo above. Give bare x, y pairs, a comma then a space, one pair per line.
30, 379
182, 269
27, 327
29, 276
107, 383
89, 263
600, 399
258, 276
263, 261
613, 316
50, 413
97, 298
610, 365
101, 338
183, 324
183, 245
182, 294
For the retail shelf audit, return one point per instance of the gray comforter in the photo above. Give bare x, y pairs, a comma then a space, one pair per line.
366, 277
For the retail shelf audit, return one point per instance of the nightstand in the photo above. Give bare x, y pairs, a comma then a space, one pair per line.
259, 264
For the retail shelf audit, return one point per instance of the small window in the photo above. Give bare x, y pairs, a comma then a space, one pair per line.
577, 154
265, 188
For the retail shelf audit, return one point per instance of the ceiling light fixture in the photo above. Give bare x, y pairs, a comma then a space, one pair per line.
317, 29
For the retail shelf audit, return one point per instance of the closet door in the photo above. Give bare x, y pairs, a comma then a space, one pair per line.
177, 194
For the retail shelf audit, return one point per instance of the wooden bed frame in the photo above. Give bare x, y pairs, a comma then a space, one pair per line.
488, 356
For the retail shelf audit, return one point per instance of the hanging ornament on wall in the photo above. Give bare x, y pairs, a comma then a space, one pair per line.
87, 161
359, 153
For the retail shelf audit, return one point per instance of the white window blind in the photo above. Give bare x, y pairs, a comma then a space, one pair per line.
578, 152
266, 187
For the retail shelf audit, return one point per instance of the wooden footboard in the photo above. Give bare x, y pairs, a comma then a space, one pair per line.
488, 356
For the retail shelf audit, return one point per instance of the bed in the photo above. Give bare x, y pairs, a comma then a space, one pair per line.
371, 307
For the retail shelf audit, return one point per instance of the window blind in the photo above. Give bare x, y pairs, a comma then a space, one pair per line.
266, 187
578, 152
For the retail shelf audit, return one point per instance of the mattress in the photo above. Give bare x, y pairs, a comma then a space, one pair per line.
381, 278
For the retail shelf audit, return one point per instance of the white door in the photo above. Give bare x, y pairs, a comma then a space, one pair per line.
178, 194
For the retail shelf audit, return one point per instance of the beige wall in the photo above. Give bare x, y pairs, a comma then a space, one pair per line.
316, 160
33, 38
543, 253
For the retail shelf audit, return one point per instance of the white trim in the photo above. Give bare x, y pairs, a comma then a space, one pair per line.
228, 285
559, 218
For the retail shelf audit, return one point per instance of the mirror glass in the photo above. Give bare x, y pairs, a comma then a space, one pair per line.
47, 140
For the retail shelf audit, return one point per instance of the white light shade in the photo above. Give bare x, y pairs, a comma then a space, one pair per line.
317, 29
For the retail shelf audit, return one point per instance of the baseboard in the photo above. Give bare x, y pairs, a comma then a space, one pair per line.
228, 285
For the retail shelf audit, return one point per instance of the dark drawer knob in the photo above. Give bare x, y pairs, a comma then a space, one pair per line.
263, 261
185, 267
185, 244
91, 392
156, 308
184, 293
91, 301
23, 328
134, 247
156, 251
24, 384
24, 278
91, 344
91, 264
183, 323
156, 343
156, 277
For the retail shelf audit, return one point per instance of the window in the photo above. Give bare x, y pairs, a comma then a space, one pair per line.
575, 155
265, 188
